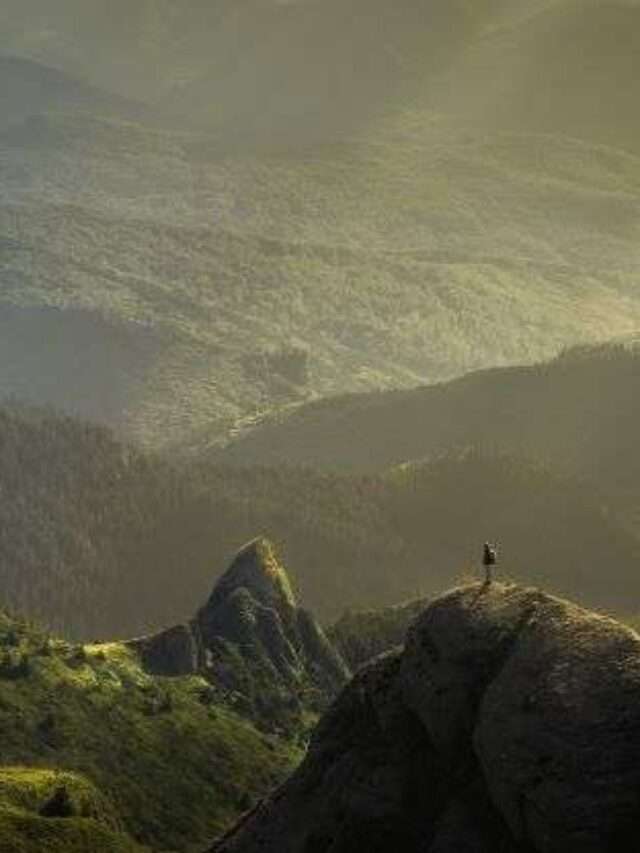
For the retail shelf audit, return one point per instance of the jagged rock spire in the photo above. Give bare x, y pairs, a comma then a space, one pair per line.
257, 568
252, 642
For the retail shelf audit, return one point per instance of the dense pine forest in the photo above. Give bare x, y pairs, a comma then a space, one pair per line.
98, 538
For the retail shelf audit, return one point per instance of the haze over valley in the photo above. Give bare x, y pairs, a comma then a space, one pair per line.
319, 418
258, 216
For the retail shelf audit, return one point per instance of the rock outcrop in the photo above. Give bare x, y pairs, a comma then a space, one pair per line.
509, 722
269, 658
362, 635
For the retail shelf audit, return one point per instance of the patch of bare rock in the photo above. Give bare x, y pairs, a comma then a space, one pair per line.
509, 722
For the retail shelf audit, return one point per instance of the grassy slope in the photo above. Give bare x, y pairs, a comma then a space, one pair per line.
176, 768
90, 825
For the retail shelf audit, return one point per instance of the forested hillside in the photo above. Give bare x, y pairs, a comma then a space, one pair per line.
98, 539
578, 413
413, 192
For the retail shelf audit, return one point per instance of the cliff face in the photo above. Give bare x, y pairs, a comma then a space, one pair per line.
264, 654
510, 721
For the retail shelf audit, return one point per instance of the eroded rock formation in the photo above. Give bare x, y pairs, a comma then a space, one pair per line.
268, 657
509, 722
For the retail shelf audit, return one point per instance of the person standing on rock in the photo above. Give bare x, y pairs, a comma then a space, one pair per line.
489, 559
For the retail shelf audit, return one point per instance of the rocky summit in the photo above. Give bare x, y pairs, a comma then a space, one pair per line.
267, 657
510, 721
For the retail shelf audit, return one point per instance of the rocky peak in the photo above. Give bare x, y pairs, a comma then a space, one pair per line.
257, 569
269, 658
509, 721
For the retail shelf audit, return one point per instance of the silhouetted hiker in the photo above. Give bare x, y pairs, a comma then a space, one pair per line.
489, 559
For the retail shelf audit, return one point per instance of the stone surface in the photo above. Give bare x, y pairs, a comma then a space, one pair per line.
369, 781
509, 722
558, 733
172, 652
454, 650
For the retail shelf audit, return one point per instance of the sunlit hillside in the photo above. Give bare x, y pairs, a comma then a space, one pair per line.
94, 747
277, 216
578, 414
376, 264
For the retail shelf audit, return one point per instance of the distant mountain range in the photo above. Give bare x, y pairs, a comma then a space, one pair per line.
302, 199
302, 71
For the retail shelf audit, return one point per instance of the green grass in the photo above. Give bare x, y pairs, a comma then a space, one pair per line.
90, 822
176, 769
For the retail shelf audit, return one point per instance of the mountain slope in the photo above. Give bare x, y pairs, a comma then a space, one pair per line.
29, 88
362, 635
474, 737
173, 764
579, 413
102, 540
360, 263
408, 195
255, 72
558, 67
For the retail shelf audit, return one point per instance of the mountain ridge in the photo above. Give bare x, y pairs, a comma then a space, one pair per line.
501, 409
105, 540
472, 737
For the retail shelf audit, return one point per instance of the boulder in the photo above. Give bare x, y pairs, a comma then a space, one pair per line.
510, 721
172, 652
558, 733
453, 650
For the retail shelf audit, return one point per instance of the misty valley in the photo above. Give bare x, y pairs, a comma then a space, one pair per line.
319, 426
